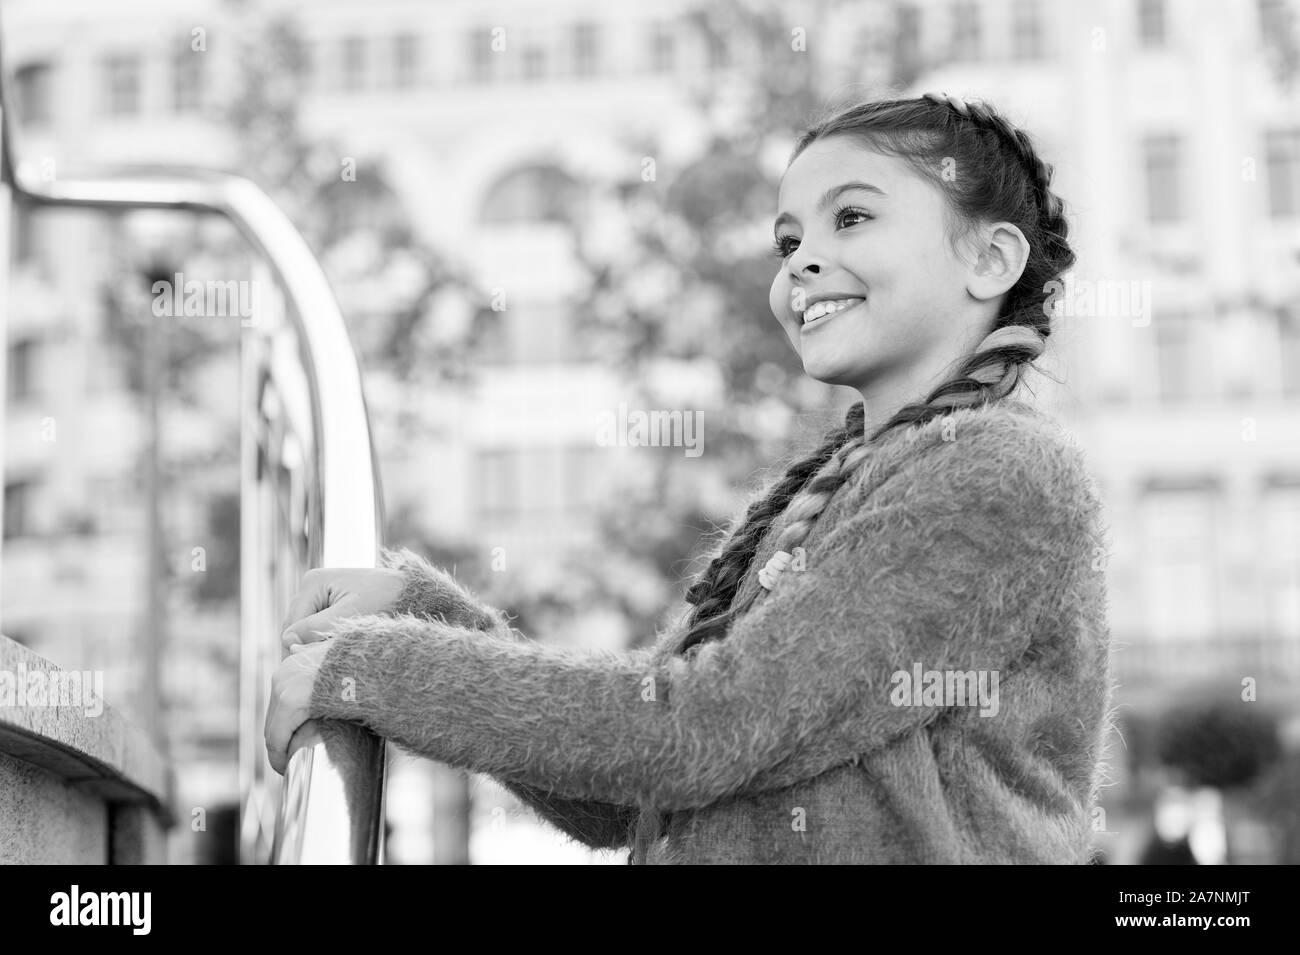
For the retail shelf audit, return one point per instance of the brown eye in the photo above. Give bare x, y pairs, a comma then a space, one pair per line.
843, 211
780, 248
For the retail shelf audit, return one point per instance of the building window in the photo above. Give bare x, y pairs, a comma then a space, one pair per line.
18, 508
1181, 371
965, 31
531, 194
1282, 152
586, 52
23, 233
115, 504
549, 336
492, 337
406, 61
1151, 23
582, 483
498, 484
314, 64
719, 51
1027, 30
1274, 19
534, 62
1290, 353
122, 85
528, 335
104, 374
187, 80
482, 63
354, 63
663, 47
548, 481
23, 371
1179, 536
545, 469
34, 84
1281, 560
1162, 161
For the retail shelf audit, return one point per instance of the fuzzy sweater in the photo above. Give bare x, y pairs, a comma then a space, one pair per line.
968, 545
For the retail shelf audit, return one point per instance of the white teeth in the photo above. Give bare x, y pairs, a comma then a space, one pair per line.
816, 311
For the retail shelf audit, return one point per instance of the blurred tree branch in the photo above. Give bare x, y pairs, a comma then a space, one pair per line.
683, 280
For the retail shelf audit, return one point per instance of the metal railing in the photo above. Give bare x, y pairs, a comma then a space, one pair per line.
309, 492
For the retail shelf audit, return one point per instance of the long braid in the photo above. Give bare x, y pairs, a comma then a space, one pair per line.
992, 372
716, 587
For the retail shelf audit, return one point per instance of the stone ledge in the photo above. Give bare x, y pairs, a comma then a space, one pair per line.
98, 751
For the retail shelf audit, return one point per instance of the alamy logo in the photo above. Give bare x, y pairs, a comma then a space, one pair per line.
651, 429
23, 687
946, 688
102, 908
1070, 297
210, 299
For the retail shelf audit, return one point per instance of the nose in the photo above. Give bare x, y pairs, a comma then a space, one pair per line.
803, 262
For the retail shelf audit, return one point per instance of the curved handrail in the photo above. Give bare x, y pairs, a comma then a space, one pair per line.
344, 766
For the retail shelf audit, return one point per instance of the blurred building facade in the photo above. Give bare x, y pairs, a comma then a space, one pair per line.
1175, 146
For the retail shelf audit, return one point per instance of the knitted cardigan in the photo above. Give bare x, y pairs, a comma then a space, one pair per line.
968, 547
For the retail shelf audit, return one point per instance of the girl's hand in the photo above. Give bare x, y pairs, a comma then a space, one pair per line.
290, 704
330, 593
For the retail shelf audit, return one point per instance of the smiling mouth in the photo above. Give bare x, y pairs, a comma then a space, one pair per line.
822, 311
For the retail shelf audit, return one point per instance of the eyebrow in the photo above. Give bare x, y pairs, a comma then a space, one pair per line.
825, 200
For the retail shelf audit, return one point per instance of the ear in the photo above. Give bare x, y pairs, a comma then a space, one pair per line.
1001, 252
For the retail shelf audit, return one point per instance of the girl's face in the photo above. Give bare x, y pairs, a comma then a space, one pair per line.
863, 230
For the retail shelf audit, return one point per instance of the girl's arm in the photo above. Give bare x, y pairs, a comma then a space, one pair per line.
948, 564
597, 825
431, 594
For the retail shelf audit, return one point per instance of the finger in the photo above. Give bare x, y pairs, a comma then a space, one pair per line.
310, 597
316, 626
312, 628
272, 756
278, 734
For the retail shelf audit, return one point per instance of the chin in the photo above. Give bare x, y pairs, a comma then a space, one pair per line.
822, 364
827, 374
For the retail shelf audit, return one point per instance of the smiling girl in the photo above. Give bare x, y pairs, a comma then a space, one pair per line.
816, 703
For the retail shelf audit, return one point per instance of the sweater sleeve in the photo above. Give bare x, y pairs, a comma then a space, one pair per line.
947, 563
431, 594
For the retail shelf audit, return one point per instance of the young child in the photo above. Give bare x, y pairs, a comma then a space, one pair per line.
900, 652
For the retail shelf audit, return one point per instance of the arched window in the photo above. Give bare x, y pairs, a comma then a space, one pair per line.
34, 82
363, 202
535, 193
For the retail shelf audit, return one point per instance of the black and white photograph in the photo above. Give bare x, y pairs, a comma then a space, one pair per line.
708, 432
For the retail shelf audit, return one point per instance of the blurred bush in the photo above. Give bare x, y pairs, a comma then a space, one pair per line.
1221, 743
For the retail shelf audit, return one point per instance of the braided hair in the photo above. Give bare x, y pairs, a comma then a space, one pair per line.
1002, 179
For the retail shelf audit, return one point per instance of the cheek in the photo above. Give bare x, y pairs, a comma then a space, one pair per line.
779, 297
936, 271
903, 280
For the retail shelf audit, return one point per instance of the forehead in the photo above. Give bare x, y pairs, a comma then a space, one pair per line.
838, 159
